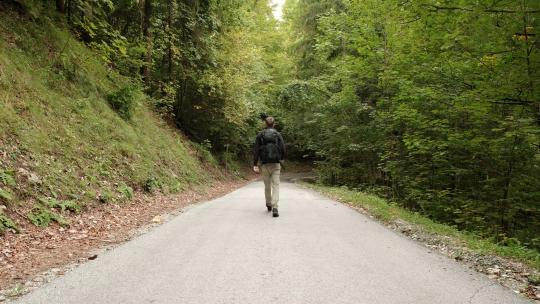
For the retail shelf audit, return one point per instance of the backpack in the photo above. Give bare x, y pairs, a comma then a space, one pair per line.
270, 152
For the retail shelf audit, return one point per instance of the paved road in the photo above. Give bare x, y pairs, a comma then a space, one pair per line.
230, 250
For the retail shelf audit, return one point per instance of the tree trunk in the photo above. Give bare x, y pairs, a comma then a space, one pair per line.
169, 47
69, 4
180, 98
147, 34
504, 203
61, 6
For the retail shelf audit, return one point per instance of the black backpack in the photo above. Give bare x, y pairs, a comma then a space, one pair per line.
270, 152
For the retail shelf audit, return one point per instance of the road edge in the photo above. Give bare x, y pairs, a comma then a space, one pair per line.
509, 273
188, 199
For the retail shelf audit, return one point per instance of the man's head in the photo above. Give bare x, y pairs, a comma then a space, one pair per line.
269, 121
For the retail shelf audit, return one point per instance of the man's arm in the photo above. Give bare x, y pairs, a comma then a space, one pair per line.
282, 146
256, 150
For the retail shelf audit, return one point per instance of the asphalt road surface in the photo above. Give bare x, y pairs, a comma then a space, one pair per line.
230, 250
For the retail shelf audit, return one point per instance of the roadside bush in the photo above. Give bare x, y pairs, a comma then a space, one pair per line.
203, 152
152, 184
62, 205
106, 197
7, 223
5, 195
124, 101
175, 187
68, 67
6, 178
42, 216
126, 191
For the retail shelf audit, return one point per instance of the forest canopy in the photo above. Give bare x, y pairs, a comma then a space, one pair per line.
434, 104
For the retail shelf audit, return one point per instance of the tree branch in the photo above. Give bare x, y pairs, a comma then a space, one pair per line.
515, 101
488, 10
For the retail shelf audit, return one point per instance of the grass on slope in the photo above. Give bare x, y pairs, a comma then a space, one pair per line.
59, 138
388, 212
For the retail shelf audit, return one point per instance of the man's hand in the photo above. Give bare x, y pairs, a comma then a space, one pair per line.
256, 169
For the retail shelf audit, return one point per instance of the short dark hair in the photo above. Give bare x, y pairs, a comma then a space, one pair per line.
269, 121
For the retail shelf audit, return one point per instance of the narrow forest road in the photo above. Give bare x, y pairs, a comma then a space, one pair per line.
230, 250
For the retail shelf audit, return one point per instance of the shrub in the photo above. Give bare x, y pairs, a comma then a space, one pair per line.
42, 216
534, 279
126, 191
6, 178
175, 187
68, 66
106, 196
124, 101
7, 223
5, 195
152, 184
203, 152
62, 205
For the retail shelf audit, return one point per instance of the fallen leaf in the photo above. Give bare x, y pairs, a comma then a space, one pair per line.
93, 257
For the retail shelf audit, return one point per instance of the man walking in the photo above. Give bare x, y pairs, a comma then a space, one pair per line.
269, 149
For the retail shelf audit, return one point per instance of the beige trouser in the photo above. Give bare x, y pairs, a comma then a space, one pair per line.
270, 173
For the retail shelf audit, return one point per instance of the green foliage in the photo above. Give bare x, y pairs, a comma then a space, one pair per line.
126, 191
124, 101
63, 205
175, 187
69, 68
231, 163
106, 196
152, 184
64, 130
16, 291
7, 178
219, 100
203, 152
434, 105
32, 7
5, 195
7, 223
534, 279
402, 98
42, 216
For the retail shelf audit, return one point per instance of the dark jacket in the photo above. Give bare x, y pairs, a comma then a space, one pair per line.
259, 144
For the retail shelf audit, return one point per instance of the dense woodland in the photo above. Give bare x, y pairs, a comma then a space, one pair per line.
435, 104
432, 104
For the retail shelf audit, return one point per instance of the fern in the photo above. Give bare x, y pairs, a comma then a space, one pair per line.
62, 205
41, 216
5, 195
7, 223
126, 191
6, 178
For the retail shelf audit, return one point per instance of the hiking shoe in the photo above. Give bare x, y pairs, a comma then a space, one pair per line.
269, 208
275, 213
